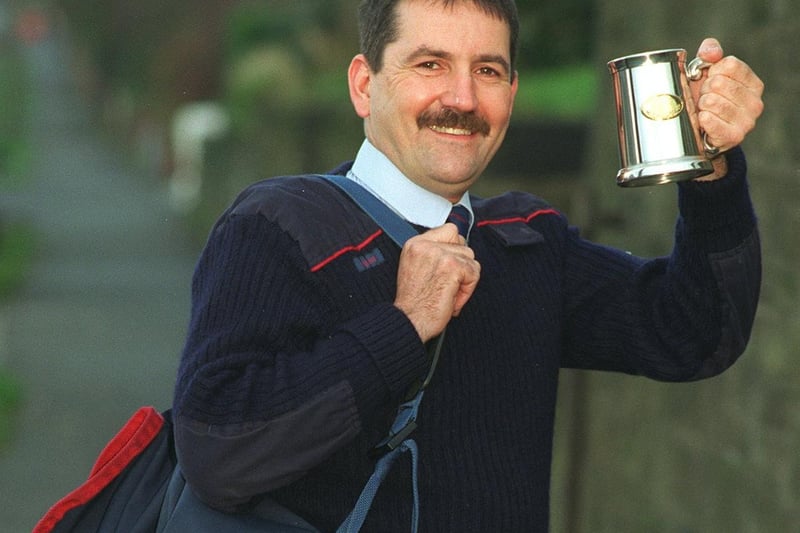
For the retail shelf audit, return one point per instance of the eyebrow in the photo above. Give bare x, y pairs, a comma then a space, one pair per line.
423, 51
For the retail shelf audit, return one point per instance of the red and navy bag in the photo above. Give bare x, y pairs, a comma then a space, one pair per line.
126, 486
136, 486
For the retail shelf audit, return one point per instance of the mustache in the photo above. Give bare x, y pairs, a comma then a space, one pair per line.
450, 118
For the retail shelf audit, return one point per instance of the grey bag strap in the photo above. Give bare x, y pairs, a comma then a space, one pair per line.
395, 227
398, 441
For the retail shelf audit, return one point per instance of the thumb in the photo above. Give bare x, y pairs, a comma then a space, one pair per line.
710, 50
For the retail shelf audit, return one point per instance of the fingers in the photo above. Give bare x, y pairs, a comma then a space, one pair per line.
730, 102
436, 277
728, 97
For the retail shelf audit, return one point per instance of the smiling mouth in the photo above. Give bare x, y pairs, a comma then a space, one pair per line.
452, 131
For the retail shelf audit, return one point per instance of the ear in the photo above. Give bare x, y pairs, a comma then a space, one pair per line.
359, 77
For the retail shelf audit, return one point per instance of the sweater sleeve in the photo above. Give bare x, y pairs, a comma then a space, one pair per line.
678, 318
273, 378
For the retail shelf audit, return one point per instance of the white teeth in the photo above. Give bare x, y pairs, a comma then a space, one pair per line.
450, 131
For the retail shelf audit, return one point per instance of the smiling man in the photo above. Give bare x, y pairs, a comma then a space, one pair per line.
439, 112
309, 325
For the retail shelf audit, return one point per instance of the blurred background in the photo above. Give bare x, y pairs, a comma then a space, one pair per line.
127, 127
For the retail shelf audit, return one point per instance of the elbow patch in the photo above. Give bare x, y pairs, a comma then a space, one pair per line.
738, 275
227, 466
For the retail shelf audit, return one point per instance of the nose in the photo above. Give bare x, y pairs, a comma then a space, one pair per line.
460, 93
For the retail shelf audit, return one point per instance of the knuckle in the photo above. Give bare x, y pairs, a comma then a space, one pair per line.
758, 107
706, 120
416, 247
731, 59
716, 83
411, 244
708, 101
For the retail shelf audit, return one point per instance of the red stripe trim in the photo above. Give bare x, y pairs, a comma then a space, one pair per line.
357, 248
354, 248
132, 439
511, 220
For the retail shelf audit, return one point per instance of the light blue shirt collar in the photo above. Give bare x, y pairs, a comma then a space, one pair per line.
373, 170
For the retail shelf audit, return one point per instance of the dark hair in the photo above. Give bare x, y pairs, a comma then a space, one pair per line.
377, 22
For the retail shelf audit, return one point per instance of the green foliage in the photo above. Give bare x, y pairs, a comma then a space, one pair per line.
263, 84
563, 93
15, 243
256, 24
14, 153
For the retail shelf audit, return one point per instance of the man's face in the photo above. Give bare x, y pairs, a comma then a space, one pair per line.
440, 106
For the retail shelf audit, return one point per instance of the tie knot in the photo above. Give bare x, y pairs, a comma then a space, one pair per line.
459, 216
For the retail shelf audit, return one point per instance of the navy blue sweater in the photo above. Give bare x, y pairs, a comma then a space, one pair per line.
296, 358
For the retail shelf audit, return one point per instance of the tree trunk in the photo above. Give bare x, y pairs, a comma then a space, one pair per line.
719, 455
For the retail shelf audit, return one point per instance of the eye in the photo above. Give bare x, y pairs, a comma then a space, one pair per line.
489, 72
429, 65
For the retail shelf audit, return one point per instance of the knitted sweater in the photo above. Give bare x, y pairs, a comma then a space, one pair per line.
296, 358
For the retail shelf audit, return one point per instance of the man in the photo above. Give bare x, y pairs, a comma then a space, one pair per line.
309, 325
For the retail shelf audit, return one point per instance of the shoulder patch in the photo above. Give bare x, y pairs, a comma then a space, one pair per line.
510, 217
324, 221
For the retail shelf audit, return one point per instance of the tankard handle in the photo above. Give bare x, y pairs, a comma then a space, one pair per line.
694, 69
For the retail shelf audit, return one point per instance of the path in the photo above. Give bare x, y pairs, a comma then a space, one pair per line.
97, 330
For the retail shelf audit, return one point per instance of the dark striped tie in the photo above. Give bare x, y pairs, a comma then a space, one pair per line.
459, 216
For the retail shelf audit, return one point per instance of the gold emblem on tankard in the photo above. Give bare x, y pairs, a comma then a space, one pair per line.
662, 107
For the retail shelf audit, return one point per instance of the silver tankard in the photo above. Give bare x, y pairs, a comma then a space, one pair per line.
659, 139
